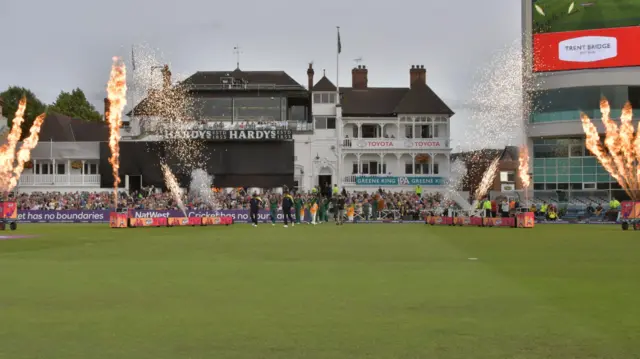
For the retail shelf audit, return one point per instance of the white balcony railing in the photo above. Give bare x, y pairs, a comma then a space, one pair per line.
59, 180
395, 144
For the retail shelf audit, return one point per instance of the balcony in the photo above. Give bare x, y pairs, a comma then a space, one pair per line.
395, 144
59, 180
386, 180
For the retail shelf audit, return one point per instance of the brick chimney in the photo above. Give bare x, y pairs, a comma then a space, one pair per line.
417, 73
107, 104
359, 78
310, 74
166, 77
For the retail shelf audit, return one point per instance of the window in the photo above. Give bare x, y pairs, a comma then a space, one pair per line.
44, 169
370, 131
408, 168
436, 168
61, 168
576, 151
324, 97
588, 186
90, 169
354, 169
325, 123
563, 186
507, 176
257, 109
214, 108
538, 186
551, 186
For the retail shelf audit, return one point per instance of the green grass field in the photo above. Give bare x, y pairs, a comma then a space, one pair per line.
600, 14
357, 291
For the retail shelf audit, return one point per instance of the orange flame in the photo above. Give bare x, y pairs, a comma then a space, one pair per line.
117, 95
619, 156
24, 155
10, 171
523, 167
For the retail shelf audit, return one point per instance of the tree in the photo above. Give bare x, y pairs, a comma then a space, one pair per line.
11, 99
74, 104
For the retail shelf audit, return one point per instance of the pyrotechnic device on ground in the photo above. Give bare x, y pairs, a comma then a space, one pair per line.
8, 215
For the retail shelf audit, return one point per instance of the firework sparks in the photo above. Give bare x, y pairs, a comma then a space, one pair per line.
487, 179
621, 151
173, 186
117, 95
10, 171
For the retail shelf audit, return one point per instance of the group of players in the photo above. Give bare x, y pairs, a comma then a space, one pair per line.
318, 207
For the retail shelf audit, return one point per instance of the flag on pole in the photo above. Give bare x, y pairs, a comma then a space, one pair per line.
339, 42
133, 58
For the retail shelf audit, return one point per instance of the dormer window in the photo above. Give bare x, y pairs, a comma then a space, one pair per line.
324, 97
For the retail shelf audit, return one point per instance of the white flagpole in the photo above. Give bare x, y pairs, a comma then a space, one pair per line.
338, 109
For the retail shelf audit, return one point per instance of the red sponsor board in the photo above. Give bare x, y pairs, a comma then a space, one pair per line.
148, 222
586, 49
500, 222
433, 220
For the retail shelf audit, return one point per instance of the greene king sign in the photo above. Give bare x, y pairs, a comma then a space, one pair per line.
230, 135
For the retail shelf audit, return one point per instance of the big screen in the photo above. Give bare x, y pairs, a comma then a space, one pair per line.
590, 34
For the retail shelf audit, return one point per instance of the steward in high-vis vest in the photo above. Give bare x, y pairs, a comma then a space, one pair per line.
487, 208
418, 191
335, 191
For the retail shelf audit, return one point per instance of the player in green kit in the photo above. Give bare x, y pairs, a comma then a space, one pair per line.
297, 204
273, 208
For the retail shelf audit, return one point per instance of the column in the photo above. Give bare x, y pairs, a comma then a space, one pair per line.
413, 163
432, 159
54, 171
82, 172
382, 171
359, 165
381, 130
359, 130
398, 126
69, 171
413, 127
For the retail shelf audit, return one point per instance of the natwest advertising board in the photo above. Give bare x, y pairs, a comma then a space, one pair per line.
421, 143
586, 49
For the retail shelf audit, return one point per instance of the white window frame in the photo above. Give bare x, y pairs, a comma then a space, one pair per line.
589, 186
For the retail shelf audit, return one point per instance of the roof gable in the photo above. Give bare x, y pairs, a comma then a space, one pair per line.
420, 99
324, 85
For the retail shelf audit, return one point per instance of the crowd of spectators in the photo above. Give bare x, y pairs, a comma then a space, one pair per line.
406, 203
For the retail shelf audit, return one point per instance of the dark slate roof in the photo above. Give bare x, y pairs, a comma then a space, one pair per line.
61, 128
372, 101
510, 153
278, 78
389, 101
421, 99
324, 85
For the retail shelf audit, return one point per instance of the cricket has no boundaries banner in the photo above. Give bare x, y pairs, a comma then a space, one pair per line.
102, 216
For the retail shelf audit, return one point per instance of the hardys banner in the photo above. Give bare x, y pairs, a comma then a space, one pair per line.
102, 216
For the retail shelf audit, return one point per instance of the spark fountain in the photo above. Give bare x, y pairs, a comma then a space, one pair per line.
201, 187
487, 181
173, 186
620, 154
500, 101
117, 95
457, 174
12, 163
